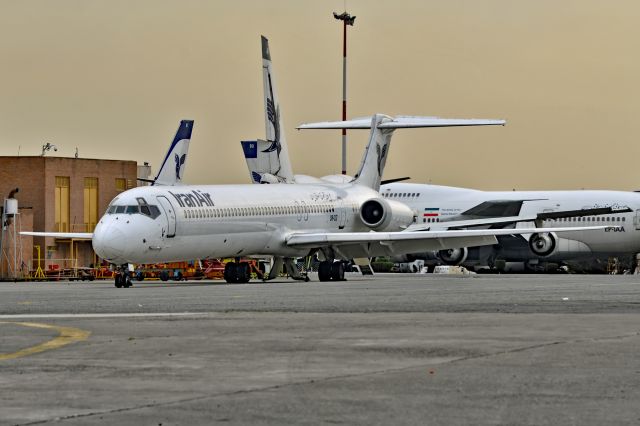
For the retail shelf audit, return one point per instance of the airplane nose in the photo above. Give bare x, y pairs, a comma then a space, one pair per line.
109, 242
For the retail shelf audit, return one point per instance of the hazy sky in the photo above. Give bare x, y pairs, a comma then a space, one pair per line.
114, 78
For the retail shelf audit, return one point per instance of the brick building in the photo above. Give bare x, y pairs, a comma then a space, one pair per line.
65, 195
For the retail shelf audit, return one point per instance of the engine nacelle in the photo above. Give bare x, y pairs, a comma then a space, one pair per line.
453, 257
386, 215
544, 244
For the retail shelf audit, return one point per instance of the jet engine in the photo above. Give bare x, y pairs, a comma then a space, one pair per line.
543, 244
453, 256
386, 215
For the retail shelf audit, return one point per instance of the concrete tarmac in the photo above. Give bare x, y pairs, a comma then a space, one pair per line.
393, 349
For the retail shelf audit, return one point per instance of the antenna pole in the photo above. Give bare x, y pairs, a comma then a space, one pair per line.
346, 20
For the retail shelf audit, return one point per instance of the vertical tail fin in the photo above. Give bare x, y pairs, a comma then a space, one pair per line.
172, 167
263, 167
375, 154
273, 120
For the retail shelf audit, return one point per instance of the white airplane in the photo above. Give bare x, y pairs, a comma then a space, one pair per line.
443, 207
153, 224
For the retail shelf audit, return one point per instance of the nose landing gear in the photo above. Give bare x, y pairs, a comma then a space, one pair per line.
122, 277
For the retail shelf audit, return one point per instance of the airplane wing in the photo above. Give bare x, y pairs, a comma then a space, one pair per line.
402, 122
368, 244
77, 235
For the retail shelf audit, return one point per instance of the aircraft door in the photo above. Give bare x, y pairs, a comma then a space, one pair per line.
342, 215
636, 220
170, 214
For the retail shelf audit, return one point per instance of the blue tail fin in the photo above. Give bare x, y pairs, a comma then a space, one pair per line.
172, 168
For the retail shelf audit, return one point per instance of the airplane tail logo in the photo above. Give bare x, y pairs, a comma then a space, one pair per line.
179, 163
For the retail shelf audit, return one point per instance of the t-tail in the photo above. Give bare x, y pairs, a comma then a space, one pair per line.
382, 127
276, 152
173, 166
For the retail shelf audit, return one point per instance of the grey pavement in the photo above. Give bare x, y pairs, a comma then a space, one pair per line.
394, 349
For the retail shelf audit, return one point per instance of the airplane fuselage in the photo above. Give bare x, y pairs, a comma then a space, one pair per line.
437, 204
212, 221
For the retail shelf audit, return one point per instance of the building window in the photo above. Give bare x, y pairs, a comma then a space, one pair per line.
90, 203
121, 184
62, 204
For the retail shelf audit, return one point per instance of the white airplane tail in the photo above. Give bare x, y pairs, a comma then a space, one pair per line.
172, 167
382, 127
276, 153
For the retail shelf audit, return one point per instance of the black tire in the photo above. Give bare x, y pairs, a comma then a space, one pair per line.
164, 276
178, 276
230, 272
337, 271
140, 276
243, 273
118, 281
324, 271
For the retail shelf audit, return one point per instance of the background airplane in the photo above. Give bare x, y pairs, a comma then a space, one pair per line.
444, 207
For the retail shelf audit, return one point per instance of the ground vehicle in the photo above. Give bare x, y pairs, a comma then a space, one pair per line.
451, 270
180, 271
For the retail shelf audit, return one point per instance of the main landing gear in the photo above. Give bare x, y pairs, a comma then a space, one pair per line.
331, 271
237, 272
122, 277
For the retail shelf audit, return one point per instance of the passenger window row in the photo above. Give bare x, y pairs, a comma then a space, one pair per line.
591, 219
401, 195
199, 213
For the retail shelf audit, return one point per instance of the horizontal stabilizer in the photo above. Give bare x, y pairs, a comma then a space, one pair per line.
402, 122
76, 235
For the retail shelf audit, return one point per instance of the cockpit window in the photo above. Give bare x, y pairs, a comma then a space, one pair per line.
155, 211
141, 201
143, 208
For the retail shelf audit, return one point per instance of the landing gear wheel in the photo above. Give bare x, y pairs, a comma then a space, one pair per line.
118, 280
243, 273
230, 272
164, 276
127, 282
337, 271
324, 271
